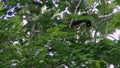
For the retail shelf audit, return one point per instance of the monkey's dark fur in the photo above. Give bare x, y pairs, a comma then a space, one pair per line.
78, 22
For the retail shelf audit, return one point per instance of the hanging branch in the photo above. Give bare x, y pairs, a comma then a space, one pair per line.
80, 1
106, 32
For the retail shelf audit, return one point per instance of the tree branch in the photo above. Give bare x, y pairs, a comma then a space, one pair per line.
109, 15
106, 16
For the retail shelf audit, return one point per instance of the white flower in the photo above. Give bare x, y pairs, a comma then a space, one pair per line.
111, 66
24, 22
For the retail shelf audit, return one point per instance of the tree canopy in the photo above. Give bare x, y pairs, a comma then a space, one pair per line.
37, 34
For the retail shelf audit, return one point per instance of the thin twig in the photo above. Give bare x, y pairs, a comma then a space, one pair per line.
111, 37
95, 36
76, 8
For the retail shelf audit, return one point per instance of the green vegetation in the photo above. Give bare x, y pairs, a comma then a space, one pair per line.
46, 42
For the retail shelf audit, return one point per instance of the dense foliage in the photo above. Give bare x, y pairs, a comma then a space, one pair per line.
44, 41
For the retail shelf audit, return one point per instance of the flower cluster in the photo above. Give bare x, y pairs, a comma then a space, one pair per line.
10, 9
